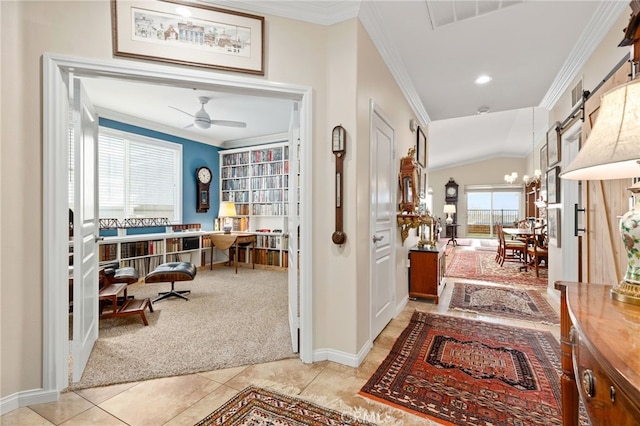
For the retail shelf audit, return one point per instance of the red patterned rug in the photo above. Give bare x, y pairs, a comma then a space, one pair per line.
465, 372
507, 302
257, 406
481, 265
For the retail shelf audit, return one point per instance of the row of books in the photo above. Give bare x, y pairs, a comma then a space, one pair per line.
276, 242
107, 252
235, 158
267, 182
267, 169
143, 265
270, 195
235, 185
268, 154
270, 209
237, 196
234, 172
141, 248
264, 257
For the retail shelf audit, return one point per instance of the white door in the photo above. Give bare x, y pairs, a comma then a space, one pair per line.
85, 247
293, 226
382, 222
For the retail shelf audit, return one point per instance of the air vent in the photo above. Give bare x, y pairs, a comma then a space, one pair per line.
576, 94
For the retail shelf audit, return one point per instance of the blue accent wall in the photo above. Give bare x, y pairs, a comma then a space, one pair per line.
194, 155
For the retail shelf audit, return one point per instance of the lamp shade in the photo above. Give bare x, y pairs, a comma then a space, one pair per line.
449, 208
612, 149
227, 209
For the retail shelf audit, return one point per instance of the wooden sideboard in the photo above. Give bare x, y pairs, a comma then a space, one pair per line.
426, 272
600, 343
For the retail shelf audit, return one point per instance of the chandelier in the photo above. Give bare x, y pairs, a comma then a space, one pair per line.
537, 173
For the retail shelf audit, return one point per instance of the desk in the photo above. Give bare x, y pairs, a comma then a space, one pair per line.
454, 233
223, 241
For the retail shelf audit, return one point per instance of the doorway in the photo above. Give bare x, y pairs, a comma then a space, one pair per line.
58, 70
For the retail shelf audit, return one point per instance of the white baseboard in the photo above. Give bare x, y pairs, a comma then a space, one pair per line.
344, 358
554, 295
400, 306
25, 398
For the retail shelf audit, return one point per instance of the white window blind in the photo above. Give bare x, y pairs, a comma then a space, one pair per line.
139, 177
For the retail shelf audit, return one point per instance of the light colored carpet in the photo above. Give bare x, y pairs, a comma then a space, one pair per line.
229, 320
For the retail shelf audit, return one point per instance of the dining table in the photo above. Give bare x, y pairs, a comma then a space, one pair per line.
526, 233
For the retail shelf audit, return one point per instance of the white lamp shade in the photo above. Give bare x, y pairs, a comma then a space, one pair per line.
227, 209
449, 208
612, 149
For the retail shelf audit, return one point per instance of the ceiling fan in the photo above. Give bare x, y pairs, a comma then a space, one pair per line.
202, 120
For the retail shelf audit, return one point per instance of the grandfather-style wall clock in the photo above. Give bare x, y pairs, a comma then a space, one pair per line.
203, 179
451, 191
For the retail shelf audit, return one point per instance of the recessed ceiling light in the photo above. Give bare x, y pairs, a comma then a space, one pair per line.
483, 79
483, 110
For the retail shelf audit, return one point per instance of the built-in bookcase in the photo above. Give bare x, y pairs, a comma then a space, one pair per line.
256, 179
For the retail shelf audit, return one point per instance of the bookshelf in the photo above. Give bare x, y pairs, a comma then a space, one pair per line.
146, 251
256, 179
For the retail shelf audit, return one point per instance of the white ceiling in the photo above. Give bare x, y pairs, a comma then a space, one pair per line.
435, 50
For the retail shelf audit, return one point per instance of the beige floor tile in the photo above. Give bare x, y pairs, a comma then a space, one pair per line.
155, 402
286, 375
222, 376
204, 407
68, 406
101, 394
94, 417
24, 416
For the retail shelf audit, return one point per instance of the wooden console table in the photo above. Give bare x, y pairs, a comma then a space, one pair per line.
426, 272
223, 241
600, 343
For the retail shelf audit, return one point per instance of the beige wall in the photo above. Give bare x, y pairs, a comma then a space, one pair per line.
323, 58
487, 172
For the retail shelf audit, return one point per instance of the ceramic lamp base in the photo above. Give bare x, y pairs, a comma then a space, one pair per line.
627, 293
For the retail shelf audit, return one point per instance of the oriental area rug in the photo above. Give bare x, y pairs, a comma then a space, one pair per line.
465, 372
255, 406
481, 265
506, 302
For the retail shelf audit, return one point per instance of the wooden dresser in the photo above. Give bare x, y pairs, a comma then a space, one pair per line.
600, 355
426, 272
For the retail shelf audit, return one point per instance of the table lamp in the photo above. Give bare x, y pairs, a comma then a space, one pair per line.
612, 151
226, 212
449, 209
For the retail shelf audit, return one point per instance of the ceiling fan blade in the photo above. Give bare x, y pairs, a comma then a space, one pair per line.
229, 123
184, 112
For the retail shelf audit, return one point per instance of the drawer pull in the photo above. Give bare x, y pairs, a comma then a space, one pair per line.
588, 383
612, 394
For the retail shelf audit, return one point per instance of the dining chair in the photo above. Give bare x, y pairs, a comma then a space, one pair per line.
539, 252
511, 250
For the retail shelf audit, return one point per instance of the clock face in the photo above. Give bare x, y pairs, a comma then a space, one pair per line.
204, 175
451, 192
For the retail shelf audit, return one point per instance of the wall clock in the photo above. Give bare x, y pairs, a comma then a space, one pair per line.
451, 191
203, 180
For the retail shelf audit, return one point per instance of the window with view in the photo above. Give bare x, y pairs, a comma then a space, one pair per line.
487, 206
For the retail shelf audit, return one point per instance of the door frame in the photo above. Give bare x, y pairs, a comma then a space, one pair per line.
56, 71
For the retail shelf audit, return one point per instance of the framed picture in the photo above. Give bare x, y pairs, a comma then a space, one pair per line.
553, 145
553, 227
209, 37
553, 185
543, 168
421, 150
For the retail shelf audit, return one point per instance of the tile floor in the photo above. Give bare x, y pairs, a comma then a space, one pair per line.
184, 400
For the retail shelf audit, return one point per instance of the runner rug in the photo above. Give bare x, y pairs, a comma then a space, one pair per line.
257, 406
507, 302
465, 372
481, 265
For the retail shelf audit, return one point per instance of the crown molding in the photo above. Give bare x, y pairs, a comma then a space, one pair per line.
607, 14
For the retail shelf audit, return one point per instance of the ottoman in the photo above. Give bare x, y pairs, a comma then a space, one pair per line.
172, 272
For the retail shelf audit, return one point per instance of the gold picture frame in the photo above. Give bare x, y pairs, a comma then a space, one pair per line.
209, 37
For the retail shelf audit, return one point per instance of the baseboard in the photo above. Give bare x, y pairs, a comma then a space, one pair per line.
554, 295
25, 398
400, 306
344, 358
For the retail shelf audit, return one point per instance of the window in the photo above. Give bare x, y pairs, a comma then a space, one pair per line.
487, 205
138, 176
